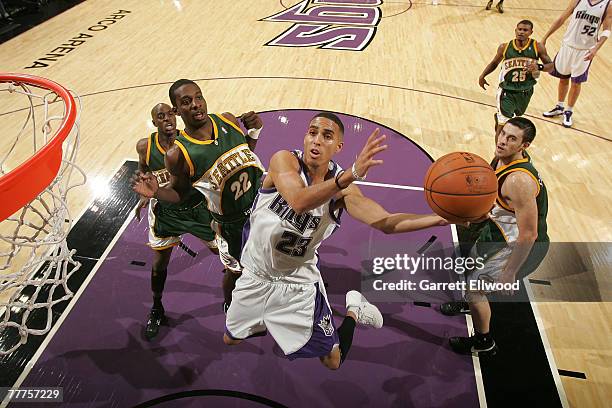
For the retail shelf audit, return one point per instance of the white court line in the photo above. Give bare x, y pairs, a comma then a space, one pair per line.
398, 186
482, 399
549, 355
74, 299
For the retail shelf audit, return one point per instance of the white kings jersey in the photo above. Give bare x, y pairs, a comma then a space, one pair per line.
582, 32
282, 245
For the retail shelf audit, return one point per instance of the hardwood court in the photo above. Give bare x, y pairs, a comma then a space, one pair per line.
418, 74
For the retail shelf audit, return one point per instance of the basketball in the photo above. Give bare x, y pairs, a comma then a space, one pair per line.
460, 187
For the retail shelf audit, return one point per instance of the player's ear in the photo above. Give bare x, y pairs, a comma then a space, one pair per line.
339, 146
526, 145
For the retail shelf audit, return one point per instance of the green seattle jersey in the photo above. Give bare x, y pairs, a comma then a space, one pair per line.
223, 168
155, 161
502, 228
512, 77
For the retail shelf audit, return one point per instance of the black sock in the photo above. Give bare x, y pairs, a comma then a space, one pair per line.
158, 281
345, 333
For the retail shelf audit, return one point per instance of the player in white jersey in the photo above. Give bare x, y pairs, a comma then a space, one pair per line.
298, 206
588, 30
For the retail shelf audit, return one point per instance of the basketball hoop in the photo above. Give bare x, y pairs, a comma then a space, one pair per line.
35, 177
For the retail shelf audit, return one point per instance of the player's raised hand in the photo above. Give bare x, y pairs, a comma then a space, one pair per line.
142, 203
144, 184
251, 120
483, 82
531, 67
365, 160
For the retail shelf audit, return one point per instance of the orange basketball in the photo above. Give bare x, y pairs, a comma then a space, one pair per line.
460, 186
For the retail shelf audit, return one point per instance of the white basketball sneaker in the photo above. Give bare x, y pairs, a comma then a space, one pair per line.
366, 312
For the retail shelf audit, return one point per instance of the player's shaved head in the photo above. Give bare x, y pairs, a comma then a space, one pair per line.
158, 108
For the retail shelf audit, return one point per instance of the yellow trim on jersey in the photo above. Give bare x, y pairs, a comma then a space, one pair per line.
161, 248
229, 122
535, 48
159, 147
528, 172
504, 167
506, 49
149, 149
187, 158
501, 230
499, 200
524, 48
202, 142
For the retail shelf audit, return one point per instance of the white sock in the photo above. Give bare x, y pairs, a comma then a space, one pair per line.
560, 104
570, 108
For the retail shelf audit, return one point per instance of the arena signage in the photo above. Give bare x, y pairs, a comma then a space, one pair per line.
329, 24
78, 40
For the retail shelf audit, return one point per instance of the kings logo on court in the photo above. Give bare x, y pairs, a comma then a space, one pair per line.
334, 25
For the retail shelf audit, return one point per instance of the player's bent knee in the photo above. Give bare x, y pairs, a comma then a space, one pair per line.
332, 360
229, 341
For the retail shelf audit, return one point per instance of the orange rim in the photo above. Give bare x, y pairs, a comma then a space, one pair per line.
30, 178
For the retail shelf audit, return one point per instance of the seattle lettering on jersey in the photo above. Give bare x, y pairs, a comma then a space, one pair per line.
302, 222
229, 163
513, 63
162, 176
583, 15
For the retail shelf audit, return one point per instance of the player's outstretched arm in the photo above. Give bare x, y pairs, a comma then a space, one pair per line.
370, 212
499, 56
522, 190
560, 20
284, 170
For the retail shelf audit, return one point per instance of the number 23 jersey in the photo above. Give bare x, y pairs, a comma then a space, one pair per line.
282, 245
223, 168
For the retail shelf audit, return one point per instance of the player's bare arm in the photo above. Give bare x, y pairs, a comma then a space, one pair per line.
141, 149
547, 63
560, 20
146, 184
373, 214
520, 191
499, 56
283, 173
603, 37
250, 120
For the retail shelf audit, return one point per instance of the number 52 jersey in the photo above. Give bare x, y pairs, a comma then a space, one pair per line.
223, 168
281, 246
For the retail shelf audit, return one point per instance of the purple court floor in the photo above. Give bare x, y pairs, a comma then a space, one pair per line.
100, 359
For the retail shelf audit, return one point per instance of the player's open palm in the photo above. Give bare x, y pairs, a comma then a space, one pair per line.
365, 160
144, 184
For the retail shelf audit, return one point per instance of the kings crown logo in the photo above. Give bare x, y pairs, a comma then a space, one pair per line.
326, 325
329, 24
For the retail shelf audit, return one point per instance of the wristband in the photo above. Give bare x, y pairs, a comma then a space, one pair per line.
254, 133
340, 173
605, 33
357, 176
540, 67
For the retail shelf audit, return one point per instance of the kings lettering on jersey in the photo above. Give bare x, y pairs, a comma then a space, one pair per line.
302, 221
583, 15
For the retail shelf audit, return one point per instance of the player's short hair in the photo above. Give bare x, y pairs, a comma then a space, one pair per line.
527, 126
526, 22
331, 116
176, 85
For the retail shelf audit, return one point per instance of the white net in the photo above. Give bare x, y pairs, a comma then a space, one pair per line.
35, 262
